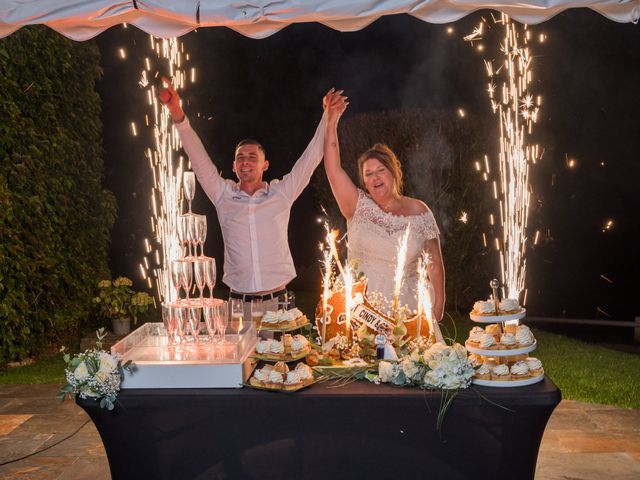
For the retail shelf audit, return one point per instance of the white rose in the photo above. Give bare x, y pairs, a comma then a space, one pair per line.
107, 363
101, 376
409, 368
386, 371
81, 371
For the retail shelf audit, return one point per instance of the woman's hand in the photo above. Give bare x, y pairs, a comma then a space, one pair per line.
334, 103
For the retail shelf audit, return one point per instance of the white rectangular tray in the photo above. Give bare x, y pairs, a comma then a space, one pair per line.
159, 366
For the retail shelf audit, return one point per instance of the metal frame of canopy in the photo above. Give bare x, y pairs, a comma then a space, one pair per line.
82, 20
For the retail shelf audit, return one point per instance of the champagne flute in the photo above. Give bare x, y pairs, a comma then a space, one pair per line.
189, 186
257, 311
210, 275
191, 235
169, 321
182, 226
186, 277
209, 312
181, 322
201, 232
176, 278
237, 316
199, 272
221, 318
194, 323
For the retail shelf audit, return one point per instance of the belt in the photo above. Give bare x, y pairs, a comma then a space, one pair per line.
247, 297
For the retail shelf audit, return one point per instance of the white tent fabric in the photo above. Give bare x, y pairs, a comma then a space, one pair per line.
84, 19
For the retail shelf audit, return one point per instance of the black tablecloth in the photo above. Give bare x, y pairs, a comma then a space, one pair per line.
355, 431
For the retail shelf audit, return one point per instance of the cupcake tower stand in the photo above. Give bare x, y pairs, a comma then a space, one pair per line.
503, 356
278, 334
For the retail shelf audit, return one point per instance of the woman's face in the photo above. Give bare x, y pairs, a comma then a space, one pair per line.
378, 179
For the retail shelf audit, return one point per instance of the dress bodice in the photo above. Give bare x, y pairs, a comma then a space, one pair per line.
373, 239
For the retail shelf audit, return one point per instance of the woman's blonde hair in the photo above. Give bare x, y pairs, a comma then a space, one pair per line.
384, 155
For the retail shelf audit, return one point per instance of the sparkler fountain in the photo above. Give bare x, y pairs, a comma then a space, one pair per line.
517, 112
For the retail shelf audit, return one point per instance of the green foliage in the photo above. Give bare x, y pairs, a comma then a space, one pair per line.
437, 151
116, 299
55, 217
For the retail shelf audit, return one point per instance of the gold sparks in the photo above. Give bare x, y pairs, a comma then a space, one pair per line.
123, 54
464, 218
608, 225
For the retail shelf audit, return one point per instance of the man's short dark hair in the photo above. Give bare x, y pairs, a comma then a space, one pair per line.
250, 141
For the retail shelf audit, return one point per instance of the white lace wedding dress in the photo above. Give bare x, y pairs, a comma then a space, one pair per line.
373, 237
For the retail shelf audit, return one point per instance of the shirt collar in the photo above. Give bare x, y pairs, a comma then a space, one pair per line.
241, 193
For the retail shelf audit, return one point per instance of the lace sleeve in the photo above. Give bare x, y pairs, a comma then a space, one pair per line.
428, 226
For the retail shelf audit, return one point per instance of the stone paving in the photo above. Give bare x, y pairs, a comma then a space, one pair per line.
582, 441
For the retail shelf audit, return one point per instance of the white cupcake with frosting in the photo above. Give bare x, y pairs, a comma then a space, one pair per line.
270, 318
535, 366
276, 348
509, 305
501, 373
487, 342
299, 345
474, 336
524, 337
484, 307
263, 346
520, 370
483, 372
508, 340
293, 381
305, 372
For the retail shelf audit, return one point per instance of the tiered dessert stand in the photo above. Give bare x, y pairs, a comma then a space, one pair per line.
502, 356
278, 334
217, 360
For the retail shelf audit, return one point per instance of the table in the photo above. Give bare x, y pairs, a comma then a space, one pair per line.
355, 431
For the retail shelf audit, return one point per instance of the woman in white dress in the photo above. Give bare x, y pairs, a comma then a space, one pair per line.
377, 215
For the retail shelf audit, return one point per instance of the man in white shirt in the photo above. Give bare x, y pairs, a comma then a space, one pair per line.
253, 214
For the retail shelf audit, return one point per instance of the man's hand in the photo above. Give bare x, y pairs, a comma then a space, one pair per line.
169, 97
335, 104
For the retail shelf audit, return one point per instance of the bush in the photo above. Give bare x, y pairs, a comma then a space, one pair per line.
55, 217
437, 151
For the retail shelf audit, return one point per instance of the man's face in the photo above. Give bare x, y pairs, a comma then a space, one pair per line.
250, 164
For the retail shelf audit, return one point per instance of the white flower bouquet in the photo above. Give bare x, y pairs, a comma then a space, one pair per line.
94, 373
439, 366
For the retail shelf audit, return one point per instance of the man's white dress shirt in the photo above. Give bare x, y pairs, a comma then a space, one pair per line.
254, 227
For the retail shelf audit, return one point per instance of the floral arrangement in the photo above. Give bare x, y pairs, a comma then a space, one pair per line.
116, 299
439, 366
94, 373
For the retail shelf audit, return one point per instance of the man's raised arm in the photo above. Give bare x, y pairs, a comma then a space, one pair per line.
206, 172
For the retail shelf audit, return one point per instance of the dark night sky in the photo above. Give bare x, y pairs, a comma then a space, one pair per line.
588, 72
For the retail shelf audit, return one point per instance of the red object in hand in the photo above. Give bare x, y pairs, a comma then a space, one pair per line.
165, 96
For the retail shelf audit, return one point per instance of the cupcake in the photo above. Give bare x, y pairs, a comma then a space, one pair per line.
305, 372
263, 347
508, 341
474, 336
276, 380
484, 307
276, 349
524, 337
501, 373
287, 338
286, 319
270, 319
487, 342
519, 371
261, 376
483, 372
535, 366
299, 345
293, 381
475, 360
509, 306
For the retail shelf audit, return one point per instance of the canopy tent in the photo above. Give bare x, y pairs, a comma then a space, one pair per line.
82, 20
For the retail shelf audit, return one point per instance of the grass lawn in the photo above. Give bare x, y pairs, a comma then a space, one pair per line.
46, 369
583, 371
